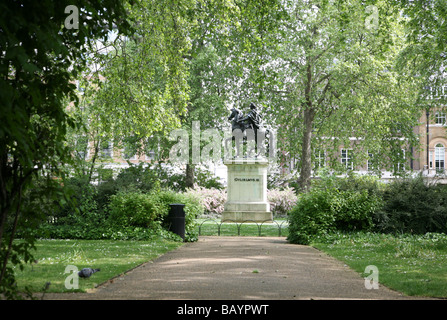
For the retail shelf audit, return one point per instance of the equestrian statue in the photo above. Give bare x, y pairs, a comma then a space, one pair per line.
245, 129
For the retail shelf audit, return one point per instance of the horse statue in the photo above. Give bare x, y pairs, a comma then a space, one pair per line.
237, 136
245, 129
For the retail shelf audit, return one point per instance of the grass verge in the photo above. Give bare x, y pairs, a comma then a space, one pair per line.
112, 257
412, 264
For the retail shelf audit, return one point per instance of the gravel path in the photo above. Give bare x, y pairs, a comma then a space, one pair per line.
235, 268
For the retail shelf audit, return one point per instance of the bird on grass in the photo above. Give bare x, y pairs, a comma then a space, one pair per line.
87, 272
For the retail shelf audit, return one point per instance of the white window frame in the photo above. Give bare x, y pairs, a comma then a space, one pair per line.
123, 154
369, 165
87, 151
401, 165
430, 159
320, 159
345, 158
439, 156
109, 153
440, 118
150, 156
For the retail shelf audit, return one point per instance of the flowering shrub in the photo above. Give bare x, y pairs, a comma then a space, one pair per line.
281, 201
213, 200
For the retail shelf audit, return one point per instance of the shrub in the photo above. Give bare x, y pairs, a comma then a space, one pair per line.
78, 218
281, 201
211, 199
80, 193
150, 210
126, 214
311, 217
134, 209
413, 206
193, 208
354, 210
371, 184
146, 177
409, 205
334, 204
103, 193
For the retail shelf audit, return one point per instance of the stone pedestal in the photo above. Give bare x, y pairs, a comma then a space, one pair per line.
247, 191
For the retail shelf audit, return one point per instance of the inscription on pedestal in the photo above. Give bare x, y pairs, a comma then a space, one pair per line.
247, 179
247, 192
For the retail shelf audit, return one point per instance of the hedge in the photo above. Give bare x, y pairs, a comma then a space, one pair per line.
362, 203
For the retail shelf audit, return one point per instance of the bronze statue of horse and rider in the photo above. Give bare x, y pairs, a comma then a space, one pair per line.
245, 129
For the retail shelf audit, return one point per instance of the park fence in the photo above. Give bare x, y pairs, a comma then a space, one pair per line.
217, 223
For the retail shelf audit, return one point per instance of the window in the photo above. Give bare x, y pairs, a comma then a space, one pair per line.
320, 159
400, 167
370, 162
439, 157
440, 118
106, 149
150, 155
128, 154
430, 165
346, 159
152, 148
131, 147
81, 147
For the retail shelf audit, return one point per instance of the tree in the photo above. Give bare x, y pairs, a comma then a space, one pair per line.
137, 86
331, 81
41, 54
212, 28
425, 55
208, 77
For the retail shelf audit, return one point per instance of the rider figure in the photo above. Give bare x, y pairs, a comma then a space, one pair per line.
254, 119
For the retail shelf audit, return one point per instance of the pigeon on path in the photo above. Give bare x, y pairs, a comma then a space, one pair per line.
87, 272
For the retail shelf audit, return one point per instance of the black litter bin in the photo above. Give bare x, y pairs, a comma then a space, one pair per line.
176, 219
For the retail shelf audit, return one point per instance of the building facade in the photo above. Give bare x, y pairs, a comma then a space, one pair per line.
432, 156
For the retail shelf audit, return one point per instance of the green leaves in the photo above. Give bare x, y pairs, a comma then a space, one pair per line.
141, 86
424, 57
334, 204
39, 58
333, 79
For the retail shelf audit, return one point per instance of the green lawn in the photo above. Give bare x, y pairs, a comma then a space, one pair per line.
115, 257
414, 265
112, 257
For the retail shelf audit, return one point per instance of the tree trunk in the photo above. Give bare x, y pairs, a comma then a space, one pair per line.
306, 154
93, 160
11, 239
189, 181
309, 115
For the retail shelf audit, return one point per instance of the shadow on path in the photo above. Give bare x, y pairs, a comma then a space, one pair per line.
237, 268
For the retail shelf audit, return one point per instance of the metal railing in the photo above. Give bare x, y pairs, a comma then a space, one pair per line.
239, 224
